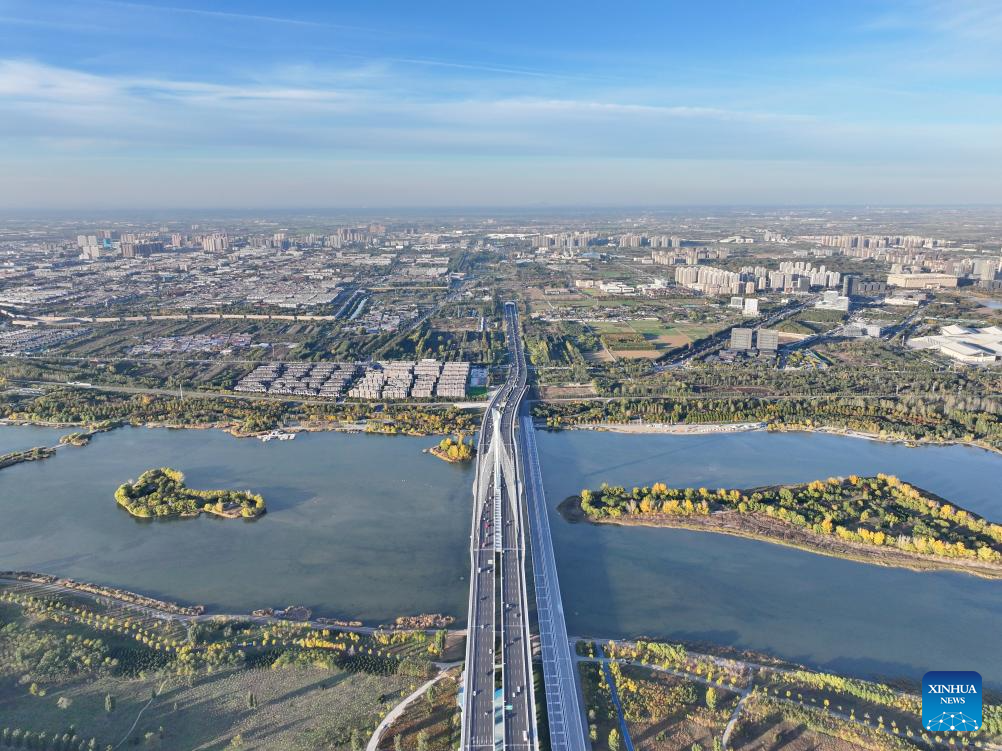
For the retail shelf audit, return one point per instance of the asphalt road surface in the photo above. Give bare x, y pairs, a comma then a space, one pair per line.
508, 474
478, 684
519, 707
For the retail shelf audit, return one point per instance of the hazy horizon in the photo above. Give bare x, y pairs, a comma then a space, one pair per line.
108, 104
486, 210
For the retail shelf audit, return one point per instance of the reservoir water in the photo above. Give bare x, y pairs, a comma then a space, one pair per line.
357, 525
369, 527
826, 612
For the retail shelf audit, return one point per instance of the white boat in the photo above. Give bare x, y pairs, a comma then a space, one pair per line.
277, 434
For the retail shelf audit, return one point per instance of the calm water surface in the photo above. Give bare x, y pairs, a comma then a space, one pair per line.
28, 436
823, 611
369, 526
357, 525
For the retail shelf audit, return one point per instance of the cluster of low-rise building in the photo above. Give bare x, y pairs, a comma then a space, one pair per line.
379, 318
204, 269
606, 287
169, 345
26, 341
185, 280
421, 380
861, 328
326, 380
296, 294
390, 379
30, 295
385, 380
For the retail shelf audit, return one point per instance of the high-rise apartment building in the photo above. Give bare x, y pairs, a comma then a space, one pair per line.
766, 340
215, 242
741, 338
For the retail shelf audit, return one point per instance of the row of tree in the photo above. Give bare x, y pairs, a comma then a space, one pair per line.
250, 416
880, 511
906, 418
30, 739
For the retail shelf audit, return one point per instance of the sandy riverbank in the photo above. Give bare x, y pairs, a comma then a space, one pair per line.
670, 428
746, 427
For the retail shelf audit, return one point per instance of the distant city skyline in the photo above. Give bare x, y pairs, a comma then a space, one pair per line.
133, 105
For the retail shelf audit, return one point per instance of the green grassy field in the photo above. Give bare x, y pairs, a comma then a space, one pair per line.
101, 673
296, 708
645, 337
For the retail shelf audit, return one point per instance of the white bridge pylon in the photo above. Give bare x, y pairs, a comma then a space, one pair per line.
502, 468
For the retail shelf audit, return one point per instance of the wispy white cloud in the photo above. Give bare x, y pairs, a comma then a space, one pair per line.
486, 68
123, 81
229, 15
48, 23
956, 19
31, 81
24, 79
303, 110
585, 107
972, 19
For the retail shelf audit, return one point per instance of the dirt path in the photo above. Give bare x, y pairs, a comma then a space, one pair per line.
138, 716
725, 739
395, 713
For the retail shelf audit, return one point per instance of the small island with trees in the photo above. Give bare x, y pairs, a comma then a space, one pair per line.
161, 493
30, 455
877, 519
75, 439
453, 450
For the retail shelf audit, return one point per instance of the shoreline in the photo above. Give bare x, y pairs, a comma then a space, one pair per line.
227, 428
170, 609
192, 515
651, 428
133, 496
669, 428
657, 428
863, 435
776, 532
439, 454
35, 454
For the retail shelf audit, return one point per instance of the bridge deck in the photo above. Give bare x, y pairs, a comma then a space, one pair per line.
508, 471
563, 696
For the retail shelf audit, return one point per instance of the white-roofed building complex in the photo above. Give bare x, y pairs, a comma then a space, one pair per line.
975, 346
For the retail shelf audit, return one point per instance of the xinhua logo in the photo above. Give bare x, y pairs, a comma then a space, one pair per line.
951, 700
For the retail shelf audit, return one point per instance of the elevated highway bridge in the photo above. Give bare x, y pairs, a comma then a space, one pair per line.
510, 530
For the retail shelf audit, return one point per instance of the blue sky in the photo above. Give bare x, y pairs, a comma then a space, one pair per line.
107, 103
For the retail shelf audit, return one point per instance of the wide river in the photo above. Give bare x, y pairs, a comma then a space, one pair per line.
370, 527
